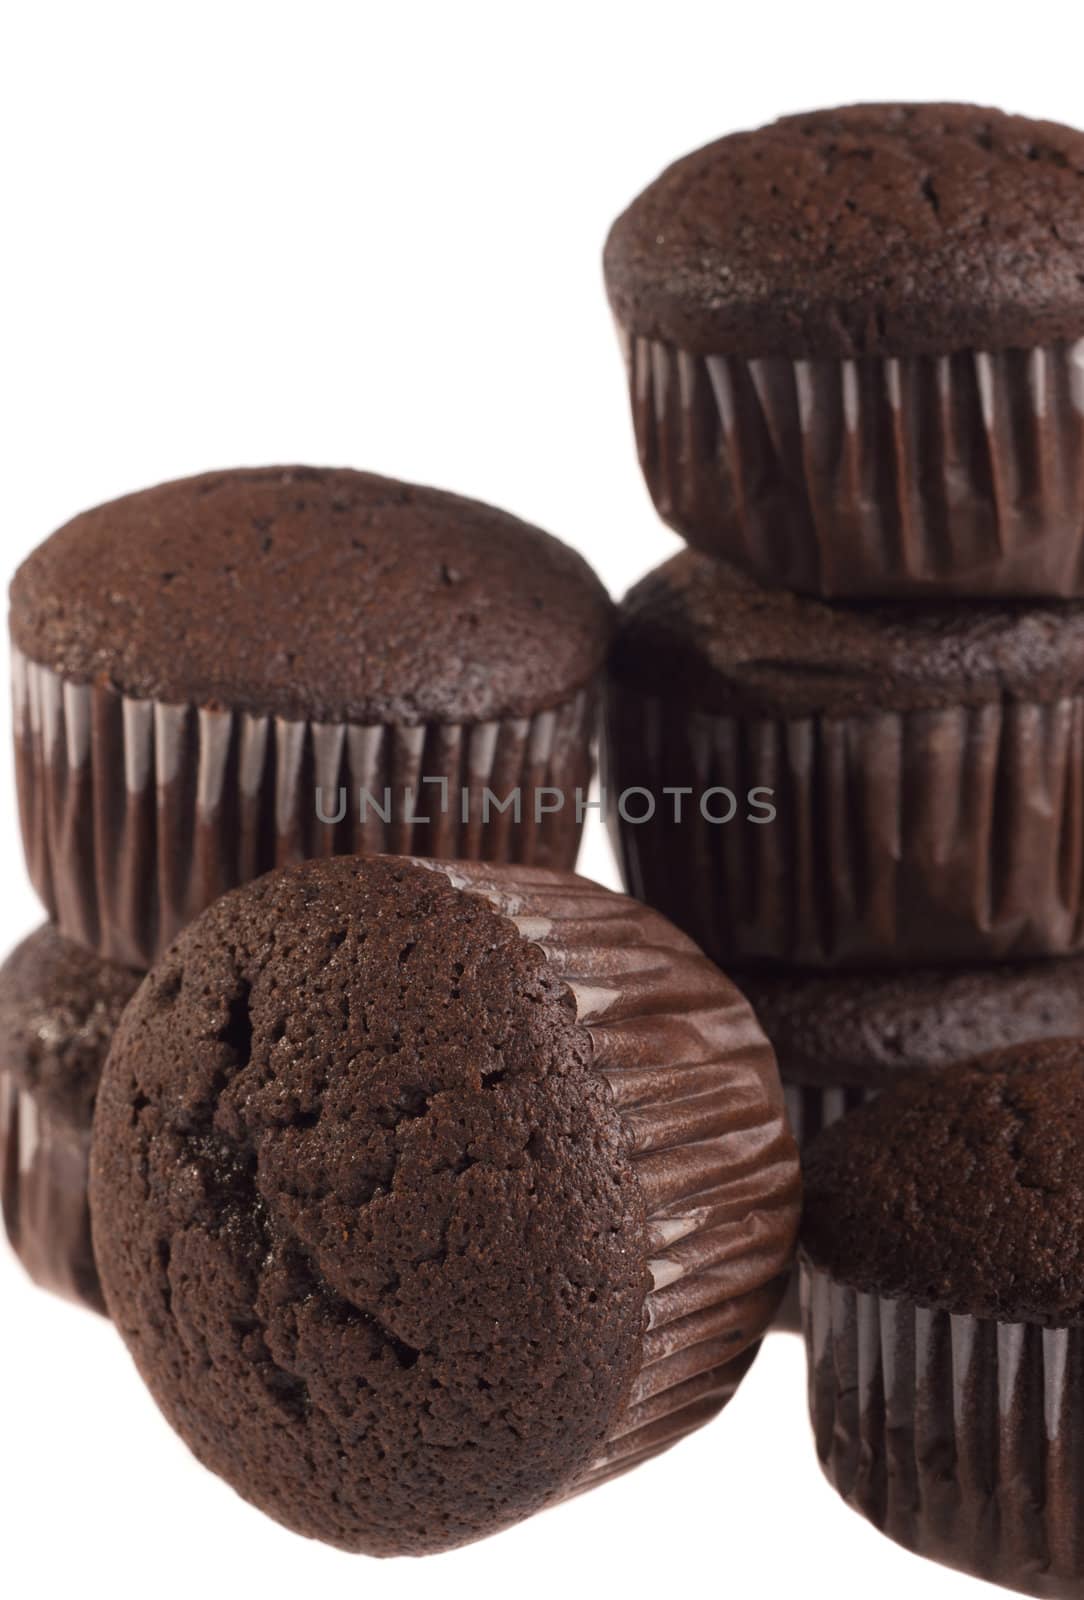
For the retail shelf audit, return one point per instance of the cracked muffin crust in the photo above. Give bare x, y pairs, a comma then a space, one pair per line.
393, 1253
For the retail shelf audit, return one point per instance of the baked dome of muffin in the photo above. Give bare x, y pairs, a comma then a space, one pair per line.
59, 1009
867, 230
425, 1195
314, 593
866, 1030
700, 628
960, 1190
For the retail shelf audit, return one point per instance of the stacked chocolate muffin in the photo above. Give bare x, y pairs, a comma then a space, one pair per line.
231, 672
855, 344
424, 1192
943, 1303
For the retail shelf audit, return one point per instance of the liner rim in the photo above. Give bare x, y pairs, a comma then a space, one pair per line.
697, 1343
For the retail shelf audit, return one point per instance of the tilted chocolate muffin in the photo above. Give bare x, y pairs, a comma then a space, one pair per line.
425, 1195
287, 662
854, 350
889, 785
943, 1297
59, 1007
840, 1039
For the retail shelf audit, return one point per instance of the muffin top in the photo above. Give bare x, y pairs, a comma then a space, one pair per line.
962, 1190
59, 1008
697, 630
864, 1031
364, 1212
870, 230
301, 592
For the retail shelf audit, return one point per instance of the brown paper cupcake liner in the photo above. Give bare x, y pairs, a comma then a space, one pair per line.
961, 474
136, 814
913, 838
712, 1155
810, 1108
813, 1106
43, 1185
959, 1437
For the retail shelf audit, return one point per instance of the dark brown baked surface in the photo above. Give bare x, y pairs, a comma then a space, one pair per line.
961, 1190
310, 593
59, 1008
865, 1030
363, 1211
868, 230
698, 630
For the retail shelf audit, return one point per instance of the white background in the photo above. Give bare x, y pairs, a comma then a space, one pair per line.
370, 235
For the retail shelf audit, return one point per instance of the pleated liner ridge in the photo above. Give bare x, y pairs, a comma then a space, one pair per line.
963, 473
898, 838
44, 1162
960, 1437
695, 1083
813, 1106
136, 814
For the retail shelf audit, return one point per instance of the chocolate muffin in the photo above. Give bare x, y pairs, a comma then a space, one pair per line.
854, 350
886, 785
943, 1299
840, 1038
59, 1007
237, 670
425, 1195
